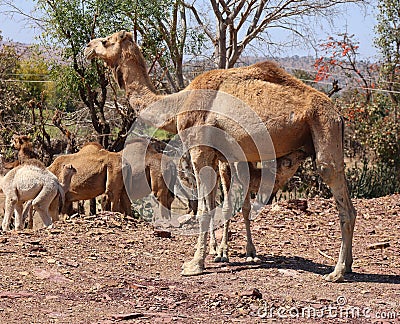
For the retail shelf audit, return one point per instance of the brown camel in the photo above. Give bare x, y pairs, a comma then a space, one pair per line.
285, 168
155, 173
31, 181
295, 115
98, 172
23, 144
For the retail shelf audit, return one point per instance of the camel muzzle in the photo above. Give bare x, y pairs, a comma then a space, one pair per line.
89, 53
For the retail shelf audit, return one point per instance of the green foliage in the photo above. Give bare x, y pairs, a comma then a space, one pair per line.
375, 128
371, 181
35, 70
388, 43
12, 94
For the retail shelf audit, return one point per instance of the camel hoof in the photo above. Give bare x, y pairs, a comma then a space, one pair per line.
334, 277
192, 268
224, 259
218, 259
256, 260
221, 259
349, 270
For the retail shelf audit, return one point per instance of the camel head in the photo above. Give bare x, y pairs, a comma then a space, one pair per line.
111, 49
67, 172
19, 140
69, 168
119, 52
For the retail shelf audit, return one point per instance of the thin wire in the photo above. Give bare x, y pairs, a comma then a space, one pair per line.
31, 81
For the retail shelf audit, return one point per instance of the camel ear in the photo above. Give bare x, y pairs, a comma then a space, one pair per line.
122, 34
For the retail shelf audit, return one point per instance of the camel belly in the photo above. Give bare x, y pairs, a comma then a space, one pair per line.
28, 191
249, 139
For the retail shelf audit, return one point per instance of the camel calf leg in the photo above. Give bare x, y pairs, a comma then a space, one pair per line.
19, 219
42, 207
9, 207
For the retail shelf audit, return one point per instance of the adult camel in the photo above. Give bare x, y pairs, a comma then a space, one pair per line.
98, 172
295, 115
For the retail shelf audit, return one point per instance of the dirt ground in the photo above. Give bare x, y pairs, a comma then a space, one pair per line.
107, 269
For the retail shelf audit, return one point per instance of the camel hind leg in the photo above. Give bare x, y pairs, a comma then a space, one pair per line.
330, 165
19, 217
222, 255
41, 204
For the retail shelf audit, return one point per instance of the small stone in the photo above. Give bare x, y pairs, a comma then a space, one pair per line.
127, 316
253, 293
162, 233
379, 245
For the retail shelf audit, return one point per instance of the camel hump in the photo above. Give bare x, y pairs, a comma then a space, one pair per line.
34, 162
266, 71
269, 71
93, 144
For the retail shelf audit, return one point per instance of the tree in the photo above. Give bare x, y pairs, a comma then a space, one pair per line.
11, 93
341, 54
240, 22
72, 24
34, 68
388, 43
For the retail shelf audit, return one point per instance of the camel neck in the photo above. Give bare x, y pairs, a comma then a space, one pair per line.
133, 77
137, 84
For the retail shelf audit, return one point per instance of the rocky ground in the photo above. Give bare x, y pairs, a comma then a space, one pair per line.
107, 269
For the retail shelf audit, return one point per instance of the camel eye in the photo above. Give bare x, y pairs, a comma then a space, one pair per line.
104, 42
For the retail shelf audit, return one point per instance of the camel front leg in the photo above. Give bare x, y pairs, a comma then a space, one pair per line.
8, 212
206, 189
196, 265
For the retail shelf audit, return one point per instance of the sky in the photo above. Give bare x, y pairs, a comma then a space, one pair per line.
354, 21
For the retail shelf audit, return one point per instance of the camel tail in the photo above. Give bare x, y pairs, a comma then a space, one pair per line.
174, 175
61, 199
26, 211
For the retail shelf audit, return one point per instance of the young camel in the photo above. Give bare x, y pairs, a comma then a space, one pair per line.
295, 116
23, 144
97, 172
285, 168
30, 181
67, 172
